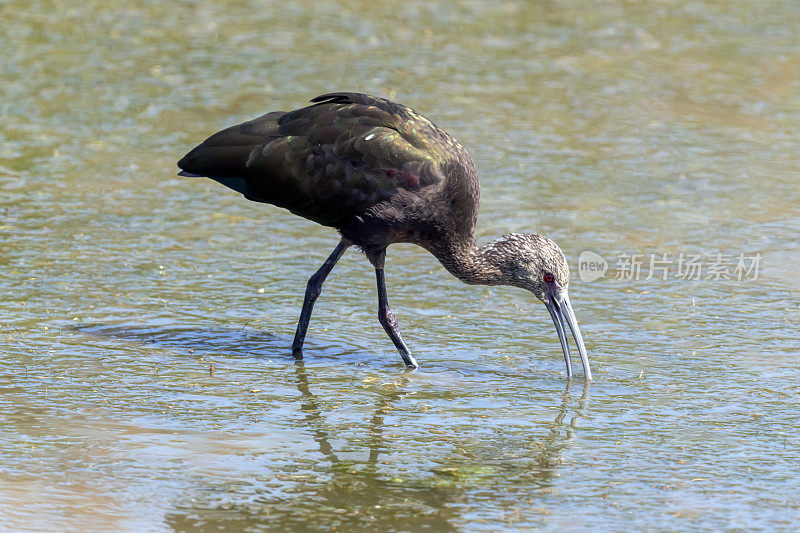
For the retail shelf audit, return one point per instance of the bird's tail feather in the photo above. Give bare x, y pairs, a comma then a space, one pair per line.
189, 174
212, 160
237, 184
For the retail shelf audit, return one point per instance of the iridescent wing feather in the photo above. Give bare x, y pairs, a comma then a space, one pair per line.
328, 162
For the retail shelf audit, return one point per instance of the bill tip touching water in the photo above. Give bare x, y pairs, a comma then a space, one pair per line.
381, 174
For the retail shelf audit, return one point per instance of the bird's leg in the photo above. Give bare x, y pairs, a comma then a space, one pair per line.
313, 290
386, 317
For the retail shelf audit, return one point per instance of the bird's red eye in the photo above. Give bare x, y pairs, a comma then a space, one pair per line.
549, 278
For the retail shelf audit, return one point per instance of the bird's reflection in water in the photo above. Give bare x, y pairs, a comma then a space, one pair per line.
310, 406
548, 459
355, 494
313, 415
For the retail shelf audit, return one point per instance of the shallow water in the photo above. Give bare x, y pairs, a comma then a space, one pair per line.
146, 375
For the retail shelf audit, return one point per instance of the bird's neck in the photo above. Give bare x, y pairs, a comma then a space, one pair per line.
472, 264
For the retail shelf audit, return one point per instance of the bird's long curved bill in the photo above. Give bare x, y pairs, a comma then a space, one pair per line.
560, 310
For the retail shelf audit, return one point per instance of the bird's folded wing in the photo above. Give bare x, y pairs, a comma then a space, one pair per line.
327, 162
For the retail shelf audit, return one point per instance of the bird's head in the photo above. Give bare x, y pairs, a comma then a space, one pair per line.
535, 263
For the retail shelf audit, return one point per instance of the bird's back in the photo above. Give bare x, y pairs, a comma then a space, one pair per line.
344, 157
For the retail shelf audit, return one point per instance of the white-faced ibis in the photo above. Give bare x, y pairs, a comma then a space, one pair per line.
380, 173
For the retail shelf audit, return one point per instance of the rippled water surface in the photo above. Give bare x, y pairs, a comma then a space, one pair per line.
147, 382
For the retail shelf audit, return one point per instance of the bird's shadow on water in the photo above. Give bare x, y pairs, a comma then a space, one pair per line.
219, 342
373, 496
189, 340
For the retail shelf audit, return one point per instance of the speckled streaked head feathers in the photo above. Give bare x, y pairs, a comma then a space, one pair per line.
524, 259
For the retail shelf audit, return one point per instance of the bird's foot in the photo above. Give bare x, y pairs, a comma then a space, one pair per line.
408, 359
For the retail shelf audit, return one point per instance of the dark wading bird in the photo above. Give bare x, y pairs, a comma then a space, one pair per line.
380, 173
